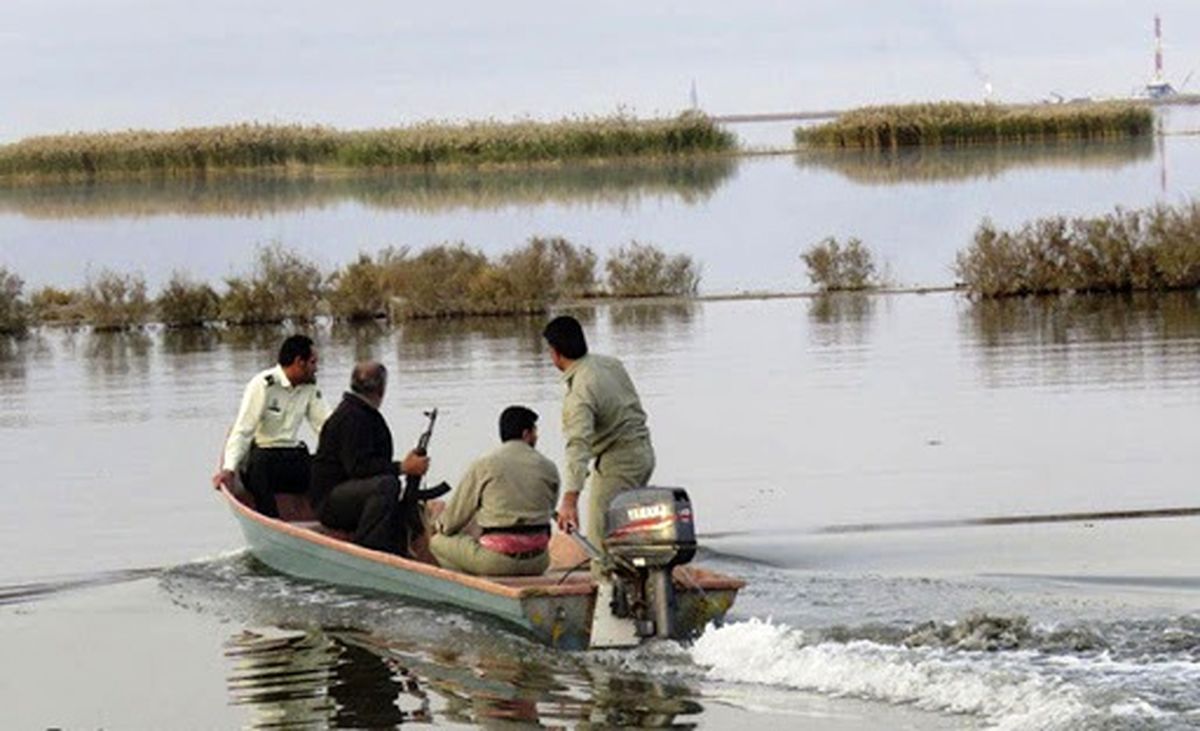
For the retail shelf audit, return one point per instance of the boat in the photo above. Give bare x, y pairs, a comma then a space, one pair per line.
556, 608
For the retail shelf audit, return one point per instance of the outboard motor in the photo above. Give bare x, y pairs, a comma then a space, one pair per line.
648, 531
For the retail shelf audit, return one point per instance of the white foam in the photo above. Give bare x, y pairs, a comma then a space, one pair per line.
1008, 696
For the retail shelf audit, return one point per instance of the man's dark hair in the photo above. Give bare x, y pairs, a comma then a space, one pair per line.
296, 346
368, 379
514, 421
566, 335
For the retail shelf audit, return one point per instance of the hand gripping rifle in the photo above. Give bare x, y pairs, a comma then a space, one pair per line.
412, 520
412, 483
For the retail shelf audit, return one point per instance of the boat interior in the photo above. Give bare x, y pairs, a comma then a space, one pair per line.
568, 572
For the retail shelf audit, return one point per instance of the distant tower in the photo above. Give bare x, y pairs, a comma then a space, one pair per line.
1158, 86
694, 98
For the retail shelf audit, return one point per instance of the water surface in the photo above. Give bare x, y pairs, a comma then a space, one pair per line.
782, 417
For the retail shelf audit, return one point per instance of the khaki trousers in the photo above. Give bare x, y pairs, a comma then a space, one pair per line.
619, 469
463, 553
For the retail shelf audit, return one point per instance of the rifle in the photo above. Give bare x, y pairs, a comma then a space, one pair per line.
412, 483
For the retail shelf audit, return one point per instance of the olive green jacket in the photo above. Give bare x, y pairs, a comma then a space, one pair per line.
601, 411
512, 485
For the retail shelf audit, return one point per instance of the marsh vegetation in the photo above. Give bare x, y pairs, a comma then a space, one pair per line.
449, 280
956, 123
113, 301
263, 146
1127, 250
640, 270
836, 267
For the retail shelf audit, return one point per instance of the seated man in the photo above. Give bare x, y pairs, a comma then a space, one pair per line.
356, 487
510, 494
262, 442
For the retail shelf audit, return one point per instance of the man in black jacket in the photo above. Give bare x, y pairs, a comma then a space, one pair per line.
356, 486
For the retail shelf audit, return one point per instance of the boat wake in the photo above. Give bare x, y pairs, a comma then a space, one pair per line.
35, 590
999, 670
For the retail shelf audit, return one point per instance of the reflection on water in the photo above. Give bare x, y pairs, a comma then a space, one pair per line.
841, 318
949, 164
119, 353
455, 339
306, 678
16, 352
651, 317
257, 338
1060, 339
191, 341
351, 679
609, 184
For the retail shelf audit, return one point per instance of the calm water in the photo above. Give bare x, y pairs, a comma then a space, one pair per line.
745, 220
784, 418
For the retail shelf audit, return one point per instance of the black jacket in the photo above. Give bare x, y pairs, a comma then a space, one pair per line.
355, 443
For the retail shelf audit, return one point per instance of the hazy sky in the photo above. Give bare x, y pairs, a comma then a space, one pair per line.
84, 65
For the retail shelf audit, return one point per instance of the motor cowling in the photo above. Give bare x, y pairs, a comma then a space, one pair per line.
651, 527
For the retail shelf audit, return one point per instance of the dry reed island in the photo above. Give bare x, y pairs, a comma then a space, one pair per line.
953, 123
287, 147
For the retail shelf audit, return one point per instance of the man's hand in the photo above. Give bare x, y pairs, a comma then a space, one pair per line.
568, 513
415, 464
223, 478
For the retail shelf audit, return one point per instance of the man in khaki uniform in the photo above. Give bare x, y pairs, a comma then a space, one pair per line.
603, 420
509, 494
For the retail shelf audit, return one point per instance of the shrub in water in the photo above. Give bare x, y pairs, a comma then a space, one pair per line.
644, 270
575, 268
14, 310
1157, 248
358, 292
549, 269
184, 303
437, 282
834, 267
283, 286
114, 301
53, 305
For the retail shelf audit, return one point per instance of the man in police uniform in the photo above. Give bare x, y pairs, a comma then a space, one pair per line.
603, 420
509, 494
262, 442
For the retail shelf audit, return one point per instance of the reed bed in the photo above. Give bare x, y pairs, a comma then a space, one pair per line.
445, 281
1124, 251
954, 123
836, 267
262, 146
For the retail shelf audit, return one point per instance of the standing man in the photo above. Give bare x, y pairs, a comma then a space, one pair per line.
262, 442
509, 494
356, 485
603, 420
